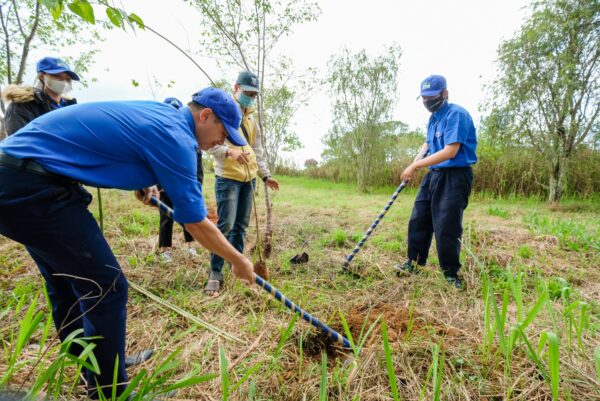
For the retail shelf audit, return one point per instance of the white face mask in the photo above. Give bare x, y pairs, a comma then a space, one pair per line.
57, 86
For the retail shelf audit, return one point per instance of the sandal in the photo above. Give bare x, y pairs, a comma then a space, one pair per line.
213, 287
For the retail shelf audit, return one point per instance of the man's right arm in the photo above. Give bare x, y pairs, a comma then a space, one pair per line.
209, 236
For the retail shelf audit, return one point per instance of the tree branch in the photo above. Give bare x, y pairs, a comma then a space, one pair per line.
27, 43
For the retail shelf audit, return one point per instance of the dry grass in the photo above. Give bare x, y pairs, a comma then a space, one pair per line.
420, 310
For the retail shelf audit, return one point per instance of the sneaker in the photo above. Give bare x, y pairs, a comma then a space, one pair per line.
193, 251
166, 257
455, 281
407, 268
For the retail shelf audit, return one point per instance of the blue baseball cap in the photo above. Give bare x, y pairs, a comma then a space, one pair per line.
224, 107
53, 65
173, 101
433, 85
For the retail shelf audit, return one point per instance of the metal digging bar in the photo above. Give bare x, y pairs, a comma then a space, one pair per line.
387, 207
334, 335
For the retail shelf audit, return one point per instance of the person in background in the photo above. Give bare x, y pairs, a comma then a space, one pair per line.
165, 233
52, 84
444, 192
236, 168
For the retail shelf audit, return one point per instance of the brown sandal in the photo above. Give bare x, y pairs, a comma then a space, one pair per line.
213, 287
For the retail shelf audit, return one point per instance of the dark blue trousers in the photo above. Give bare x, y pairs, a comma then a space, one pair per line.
85, 284
438, 209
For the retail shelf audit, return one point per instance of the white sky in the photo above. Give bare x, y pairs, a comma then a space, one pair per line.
455, 38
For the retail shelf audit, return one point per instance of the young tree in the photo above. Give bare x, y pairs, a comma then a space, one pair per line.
281, 103
245, 33
549, 83
363, 90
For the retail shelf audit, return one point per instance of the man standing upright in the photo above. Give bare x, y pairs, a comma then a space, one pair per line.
236, 168
444, 192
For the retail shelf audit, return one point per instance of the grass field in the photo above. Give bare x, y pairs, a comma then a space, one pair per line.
526, 327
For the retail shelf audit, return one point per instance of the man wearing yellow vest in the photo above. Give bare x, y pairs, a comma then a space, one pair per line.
236, 169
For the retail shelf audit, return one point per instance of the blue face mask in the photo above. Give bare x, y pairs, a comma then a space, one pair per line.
245, 101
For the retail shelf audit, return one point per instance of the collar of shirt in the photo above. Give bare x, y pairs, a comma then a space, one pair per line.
60, 104
187, 114
439, 114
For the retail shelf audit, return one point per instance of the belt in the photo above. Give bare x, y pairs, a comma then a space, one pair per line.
451, 168
29, 166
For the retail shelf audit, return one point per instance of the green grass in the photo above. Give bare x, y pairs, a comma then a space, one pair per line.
573, 235
498, 212
530, 269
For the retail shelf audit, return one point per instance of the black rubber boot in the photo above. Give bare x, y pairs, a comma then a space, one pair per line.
138, 358
408, 267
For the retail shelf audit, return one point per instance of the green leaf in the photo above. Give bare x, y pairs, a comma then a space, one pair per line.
246, 376
554, 362
115, 16
190, 382
323, 389
389, 362
54, 6
133, 17
597, 362
285, 336
133, 383
543, 298
224, 374
84, 10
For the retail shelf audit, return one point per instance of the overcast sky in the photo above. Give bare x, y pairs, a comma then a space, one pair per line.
455, 38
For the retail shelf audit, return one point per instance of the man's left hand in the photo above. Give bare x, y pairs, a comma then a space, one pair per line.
145, 194
408, 172
272, 183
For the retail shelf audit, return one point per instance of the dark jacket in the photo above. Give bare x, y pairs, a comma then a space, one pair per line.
26, 103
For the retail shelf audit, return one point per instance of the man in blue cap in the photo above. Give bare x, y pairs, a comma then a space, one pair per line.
125, 145
53, 83
444, 193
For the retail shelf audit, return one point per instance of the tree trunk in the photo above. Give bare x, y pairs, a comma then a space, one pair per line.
268, 237
558, 178
27, 44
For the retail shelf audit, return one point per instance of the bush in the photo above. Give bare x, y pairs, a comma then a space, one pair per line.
499, 172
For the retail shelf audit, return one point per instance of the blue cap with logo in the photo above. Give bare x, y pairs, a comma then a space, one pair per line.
224, 107
433, 85
248, 81
53, 65
173, 101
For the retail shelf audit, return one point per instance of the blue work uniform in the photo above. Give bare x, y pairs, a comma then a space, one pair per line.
444, 193
126, 145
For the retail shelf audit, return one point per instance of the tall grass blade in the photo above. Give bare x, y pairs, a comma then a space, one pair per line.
323, 388
348, 333
185, 313
285, 336
597, 362
245, 377
437, 368
224, 373
542, 299
389, 362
